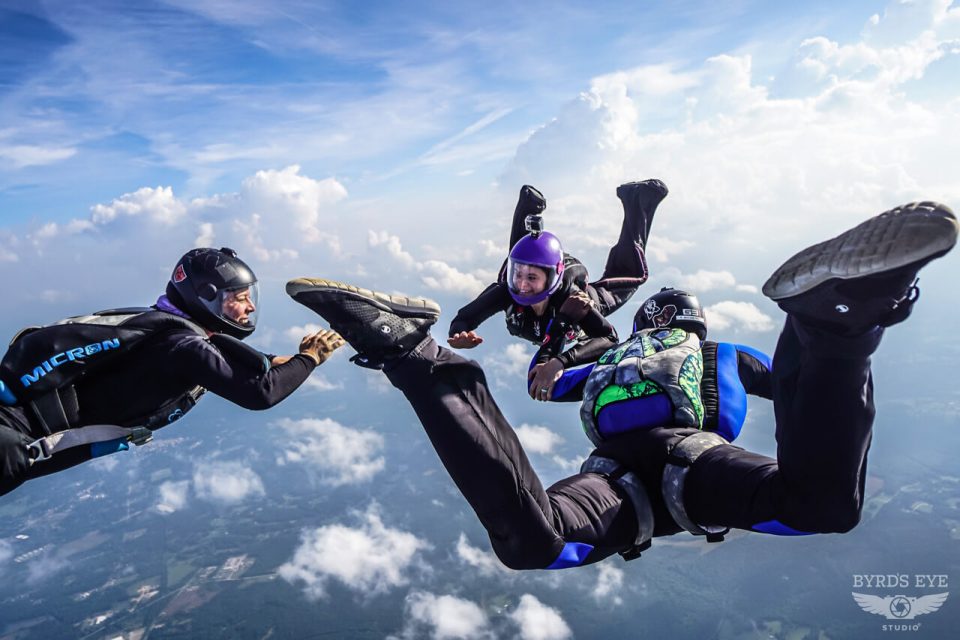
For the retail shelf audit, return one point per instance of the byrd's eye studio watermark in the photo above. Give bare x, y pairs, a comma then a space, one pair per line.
895, 604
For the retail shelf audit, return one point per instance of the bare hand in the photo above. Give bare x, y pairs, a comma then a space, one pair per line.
321, 345
464, 340
543, 378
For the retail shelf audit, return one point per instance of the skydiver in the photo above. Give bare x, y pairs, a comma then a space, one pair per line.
545, 294
666, 474
90, 385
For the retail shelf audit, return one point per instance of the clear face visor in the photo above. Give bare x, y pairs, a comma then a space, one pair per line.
529, 282
239, 307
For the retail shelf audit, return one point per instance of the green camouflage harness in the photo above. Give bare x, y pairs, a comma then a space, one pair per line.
651, 362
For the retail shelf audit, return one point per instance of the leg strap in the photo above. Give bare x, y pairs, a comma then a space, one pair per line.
629, 482
679, 460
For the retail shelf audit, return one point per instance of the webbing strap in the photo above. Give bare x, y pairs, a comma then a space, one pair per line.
44, 448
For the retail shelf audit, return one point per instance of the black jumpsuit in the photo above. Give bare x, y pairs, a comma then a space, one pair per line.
163, 369
814, 485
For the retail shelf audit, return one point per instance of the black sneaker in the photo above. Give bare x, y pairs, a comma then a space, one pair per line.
381, 327
865, 277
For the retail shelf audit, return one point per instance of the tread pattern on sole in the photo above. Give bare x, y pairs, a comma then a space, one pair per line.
904, 235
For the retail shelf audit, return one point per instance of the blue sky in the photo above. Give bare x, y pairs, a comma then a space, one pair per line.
384, 143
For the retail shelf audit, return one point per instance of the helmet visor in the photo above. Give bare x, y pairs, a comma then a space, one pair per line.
239, 307
531, 283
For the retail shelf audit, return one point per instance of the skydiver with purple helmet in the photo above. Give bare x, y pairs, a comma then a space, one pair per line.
545, 292
660, 479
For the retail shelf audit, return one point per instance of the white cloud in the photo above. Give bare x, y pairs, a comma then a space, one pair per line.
538, 621
205, 235
339, 455
158, 204
537, 439
370, 559
609, 584
741, 316
27, 155
301, 198
6, 551
322, 383
700, 281
435, 274
444, 618
173, 496
510, 364
485, 562
226, 482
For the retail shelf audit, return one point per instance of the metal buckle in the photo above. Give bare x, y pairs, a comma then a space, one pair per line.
38, 445
140, 435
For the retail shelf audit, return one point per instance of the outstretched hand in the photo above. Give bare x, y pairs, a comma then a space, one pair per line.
321, 345
543, 378
464, 340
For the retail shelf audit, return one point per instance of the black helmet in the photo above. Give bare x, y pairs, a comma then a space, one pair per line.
217, 289
672, 308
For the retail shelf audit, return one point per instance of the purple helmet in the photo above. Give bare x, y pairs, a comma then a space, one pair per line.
542, 251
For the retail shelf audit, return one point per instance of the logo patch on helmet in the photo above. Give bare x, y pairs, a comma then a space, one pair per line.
179, 275
657, 316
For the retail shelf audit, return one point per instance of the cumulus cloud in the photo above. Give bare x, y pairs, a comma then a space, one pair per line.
512, 363
159, 204
537, 439
435, 274
755, 169
370, 559
485, 562
740, 316
300, 197
173, 496
538, 621
338, 454
226, 482
444, 617
609, 584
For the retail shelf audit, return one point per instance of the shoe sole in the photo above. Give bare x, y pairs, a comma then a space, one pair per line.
400, 305
913, 233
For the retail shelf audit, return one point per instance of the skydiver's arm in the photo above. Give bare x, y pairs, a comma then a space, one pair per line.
755, 369
237, 381
601, 335
491, 300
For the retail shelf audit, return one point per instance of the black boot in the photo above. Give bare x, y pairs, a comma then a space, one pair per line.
381, 327
865, 277
640, 201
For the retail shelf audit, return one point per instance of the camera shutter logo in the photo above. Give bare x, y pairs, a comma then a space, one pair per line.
900, 607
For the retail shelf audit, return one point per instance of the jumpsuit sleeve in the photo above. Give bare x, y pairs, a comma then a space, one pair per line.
730, 372
235, 381
491, 300
600, 336
755, 369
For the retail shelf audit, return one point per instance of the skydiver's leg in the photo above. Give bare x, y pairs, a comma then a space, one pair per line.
578, 520
15, 466
14, 462
529, 527
529, 202
823, 402
626, 267
839, 295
